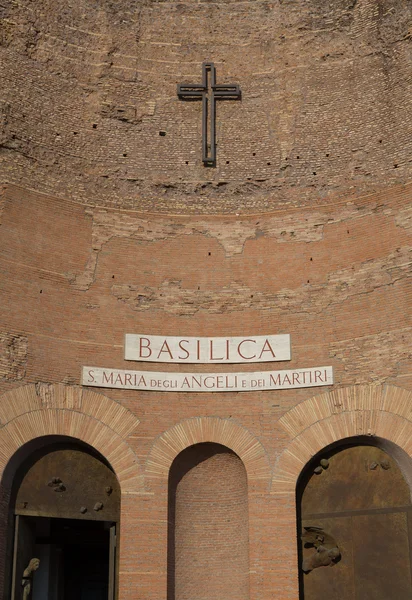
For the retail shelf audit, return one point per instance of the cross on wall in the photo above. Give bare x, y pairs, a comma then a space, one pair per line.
208, 92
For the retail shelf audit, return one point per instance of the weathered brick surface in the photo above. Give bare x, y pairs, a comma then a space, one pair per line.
76, 279
340, 286
13, 355
87, 88
107, 227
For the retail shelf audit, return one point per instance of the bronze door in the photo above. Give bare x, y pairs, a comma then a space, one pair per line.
112, 562
355, 516
24, 552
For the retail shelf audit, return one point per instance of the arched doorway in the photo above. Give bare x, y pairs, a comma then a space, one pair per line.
65, 506
355, 525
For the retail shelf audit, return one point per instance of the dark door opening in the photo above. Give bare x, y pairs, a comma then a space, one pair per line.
66, 504
76, 559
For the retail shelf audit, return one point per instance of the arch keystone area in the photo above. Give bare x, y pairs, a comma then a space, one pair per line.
208, 429
371, 410
33, 411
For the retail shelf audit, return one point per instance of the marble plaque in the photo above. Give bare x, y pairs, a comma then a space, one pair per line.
245, 349
207, 382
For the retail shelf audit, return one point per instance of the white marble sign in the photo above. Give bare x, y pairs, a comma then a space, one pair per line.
251, 349
207, 382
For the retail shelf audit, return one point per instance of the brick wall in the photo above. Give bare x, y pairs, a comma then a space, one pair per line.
107, 227
89, 108
75, 278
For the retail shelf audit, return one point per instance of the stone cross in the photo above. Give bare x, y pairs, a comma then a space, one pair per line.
208, 91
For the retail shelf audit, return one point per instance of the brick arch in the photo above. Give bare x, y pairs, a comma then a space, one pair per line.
34, 411
209, 429
372, 410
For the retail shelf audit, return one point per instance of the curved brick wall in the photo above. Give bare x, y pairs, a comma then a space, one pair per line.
110, 224
337, 279
76, 278
208, 525
88, 106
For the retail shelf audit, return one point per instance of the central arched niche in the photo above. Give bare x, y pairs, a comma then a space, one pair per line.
208, 537
355, 496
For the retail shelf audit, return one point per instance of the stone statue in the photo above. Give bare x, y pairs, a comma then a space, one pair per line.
327, 552
27, 580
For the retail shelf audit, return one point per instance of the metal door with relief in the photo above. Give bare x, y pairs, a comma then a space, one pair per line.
355, 518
